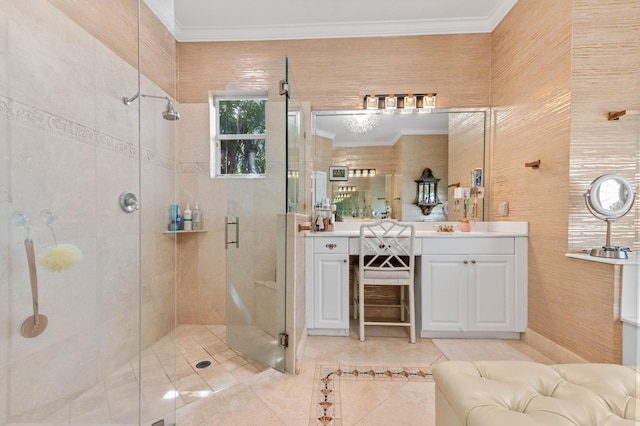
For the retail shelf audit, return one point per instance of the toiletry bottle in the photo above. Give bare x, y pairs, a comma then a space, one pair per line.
196, 224
187, 218
178, 220
173, 217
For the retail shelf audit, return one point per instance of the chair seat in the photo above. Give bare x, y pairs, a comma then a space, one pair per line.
391, 274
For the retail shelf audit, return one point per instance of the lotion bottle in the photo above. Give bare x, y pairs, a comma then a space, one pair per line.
197, 218
187, 218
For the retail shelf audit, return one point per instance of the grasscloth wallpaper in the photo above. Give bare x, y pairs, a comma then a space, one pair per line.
550, 72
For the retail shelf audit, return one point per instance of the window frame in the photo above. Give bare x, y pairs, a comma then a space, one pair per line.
215, 141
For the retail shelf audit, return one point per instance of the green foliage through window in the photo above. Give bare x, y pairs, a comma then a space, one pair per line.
241, 136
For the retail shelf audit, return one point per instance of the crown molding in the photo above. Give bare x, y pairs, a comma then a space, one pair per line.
331, 30
183, 33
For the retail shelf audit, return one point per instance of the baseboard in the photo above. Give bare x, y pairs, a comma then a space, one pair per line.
559, 354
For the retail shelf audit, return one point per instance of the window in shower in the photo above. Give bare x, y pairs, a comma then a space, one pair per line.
239, 135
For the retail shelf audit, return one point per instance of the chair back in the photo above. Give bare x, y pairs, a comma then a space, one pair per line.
387, 246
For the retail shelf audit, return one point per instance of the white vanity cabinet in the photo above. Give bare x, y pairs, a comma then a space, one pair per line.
328, 306
468, 285
475, 289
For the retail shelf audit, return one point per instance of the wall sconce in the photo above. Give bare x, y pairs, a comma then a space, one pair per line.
403, 102
427, 192
361, 172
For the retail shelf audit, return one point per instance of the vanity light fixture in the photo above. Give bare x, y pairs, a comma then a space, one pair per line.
410, 101
405, 102
390, 102
371, 102
429, 101
361, 172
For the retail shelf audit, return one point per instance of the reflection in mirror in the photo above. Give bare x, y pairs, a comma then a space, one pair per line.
399, 146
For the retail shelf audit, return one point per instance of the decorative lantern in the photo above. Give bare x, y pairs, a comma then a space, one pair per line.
427, 192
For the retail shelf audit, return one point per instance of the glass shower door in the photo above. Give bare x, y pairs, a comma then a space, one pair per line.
87, 290
256, 209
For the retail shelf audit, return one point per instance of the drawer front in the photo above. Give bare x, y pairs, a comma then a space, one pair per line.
468, 245
354, 245
323, 245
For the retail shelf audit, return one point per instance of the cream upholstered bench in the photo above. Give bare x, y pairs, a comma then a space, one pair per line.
521, 393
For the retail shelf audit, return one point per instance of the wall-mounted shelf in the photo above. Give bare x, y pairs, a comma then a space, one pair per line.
185, 232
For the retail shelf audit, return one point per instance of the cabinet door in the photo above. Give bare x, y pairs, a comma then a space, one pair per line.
331, 291
491, 293
444, 293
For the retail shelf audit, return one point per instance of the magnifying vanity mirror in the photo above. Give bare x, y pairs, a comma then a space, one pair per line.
608, 198
399, 146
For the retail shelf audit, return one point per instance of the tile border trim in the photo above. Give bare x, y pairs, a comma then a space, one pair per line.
326, 407
38, 119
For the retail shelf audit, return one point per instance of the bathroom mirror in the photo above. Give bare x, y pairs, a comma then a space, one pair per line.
608, 198
399, 146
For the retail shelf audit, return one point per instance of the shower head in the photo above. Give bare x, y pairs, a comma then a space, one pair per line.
169, 113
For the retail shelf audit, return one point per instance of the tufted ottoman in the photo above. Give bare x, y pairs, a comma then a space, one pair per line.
521, 393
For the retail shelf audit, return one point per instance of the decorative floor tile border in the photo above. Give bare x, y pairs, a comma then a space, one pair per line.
326, 393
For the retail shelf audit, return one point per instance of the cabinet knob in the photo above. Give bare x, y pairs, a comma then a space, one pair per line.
344, 261
473, 261
331, 246
465, 262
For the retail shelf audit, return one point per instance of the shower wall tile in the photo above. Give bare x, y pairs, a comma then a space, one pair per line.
114, 174
71, 145
115, 80
5, 161
74, 355
39, 54
118, 274
5, 303
49, 173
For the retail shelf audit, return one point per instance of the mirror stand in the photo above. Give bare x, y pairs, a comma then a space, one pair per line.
609, 251
609, 197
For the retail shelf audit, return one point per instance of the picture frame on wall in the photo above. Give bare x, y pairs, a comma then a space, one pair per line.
338, 173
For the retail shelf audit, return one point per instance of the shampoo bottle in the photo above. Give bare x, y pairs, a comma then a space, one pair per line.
197, 218
187, 217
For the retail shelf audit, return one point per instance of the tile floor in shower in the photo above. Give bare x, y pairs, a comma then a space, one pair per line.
198, 343
170, 360
173, 359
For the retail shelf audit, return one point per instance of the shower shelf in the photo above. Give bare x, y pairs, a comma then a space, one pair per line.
185, 232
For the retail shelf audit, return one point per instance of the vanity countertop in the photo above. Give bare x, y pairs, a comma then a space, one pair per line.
429, 230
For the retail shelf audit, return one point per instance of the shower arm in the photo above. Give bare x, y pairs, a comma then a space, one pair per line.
128, 101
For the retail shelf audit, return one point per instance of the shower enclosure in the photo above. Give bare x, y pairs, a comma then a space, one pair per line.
260, 211
99, 280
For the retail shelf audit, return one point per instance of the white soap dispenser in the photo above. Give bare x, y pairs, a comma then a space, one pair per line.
187, 218
197, 218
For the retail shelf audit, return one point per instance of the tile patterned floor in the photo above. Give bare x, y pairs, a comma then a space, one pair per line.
385, 396
342, 381
198, 343
326, 391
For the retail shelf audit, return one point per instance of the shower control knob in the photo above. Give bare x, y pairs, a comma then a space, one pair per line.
128, 202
